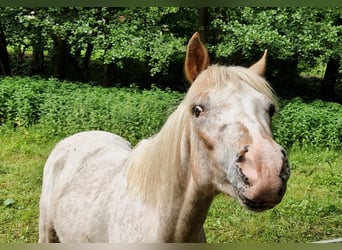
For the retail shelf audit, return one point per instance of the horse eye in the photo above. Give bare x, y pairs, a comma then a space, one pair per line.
197, 110
271, 110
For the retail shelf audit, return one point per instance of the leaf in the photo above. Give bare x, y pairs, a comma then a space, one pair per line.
9, 202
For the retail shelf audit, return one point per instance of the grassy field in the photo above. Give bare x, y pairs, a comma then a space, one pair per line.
311, 209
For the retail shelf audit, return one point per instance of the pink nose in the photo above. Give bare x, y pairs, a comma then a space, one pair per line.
263, 176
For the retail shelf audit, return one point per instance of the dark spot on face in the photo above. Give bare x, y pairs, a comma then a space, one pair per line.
223, 127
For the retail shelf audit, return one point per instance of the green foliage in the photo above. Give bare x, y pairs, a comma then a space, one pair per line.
61, 41
316, 124
62, 111
142, 34
136, 114
115, 34
307, 34
19, 101
64, 108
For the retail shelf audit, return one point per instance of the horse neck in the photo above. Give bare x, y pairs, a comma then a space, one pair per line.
195, 203
159, 172
194, 210
155, 167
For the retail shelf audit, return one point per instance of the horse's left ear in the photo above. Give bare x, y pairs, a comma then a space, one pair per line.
260, 66
197, 58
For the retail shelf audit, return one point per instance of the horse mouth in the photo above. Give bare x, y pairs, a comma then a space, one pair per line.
254, 205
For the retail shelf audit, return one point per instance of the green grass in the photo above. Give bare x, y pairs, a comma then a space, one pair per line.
22, 157
311, 209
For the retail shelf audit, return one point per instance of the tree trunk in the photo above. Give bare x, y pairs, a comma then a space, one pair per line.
330, 79
108, 75
4, 58
20, 56
60, 57
204, 21
87, 56
37, 66
86, 61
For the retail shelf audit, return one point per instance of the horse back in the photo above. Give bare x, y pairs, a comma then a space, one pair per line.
80, 150
80, 168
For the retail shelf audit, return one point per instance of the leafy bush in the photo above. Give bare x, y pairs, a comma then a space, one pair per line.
19, 101
315, 124
64, 108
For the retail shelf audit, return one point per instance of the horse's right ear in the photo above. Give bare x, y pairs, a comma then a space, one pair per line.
260, 66
197, 58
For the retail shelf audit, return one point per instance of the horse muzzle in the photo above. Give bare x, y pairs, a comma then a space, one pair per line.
262, 177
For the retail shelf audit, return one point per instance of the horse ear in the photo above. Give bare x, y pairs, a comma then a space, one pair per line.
197, 58
260, 66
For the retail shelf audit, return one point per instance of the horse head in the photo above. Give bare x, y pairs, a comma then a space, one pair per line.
230, 141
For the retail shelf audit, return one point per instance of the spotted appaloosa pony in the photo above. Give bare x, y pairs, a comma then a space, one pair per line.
97, 189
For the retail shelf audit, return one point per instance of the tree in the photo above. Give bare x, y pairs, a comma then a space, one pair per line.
138, 34
204, 22
4, 58
16, 24
291, 35
333, 41
9, 31
152, 40
330, 79
63, 31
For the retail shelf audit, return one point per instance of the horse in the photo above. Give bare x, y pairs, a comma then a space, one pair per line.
96, 188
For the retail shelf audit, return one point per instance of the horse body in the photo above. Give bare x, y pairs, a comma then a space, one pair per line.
96, 188
90, 165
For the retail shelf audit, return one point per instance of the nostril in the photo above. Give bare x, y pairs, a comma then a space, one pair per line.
241, 154
240, 158
285, 171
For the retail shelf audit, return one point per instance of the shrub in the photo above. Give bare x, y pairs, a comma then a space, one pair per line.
64, 108
19, 101
314, 124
